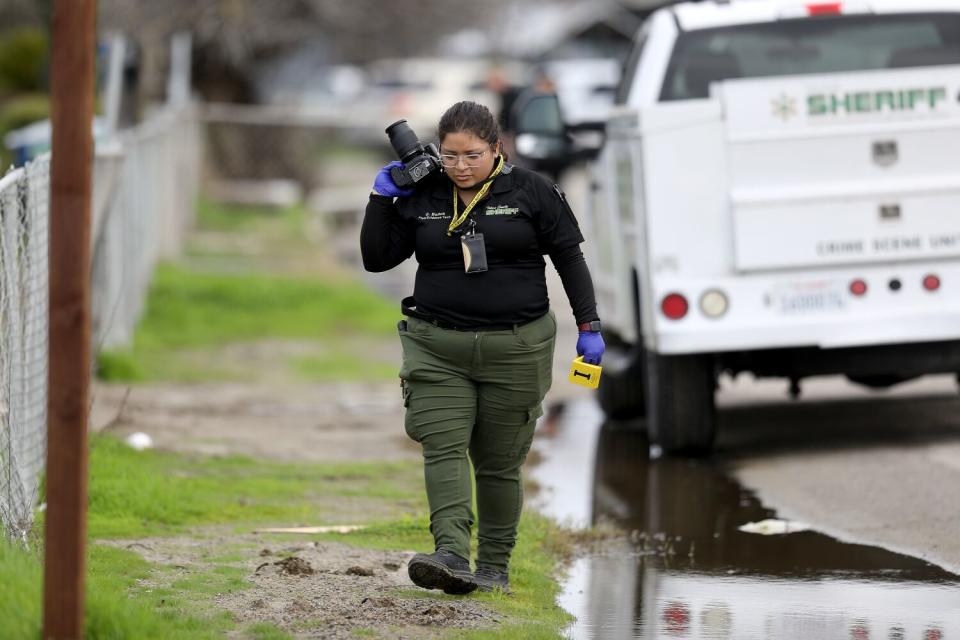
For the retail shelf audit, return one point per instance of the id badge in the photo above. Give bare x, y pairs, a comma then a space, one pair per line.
474, 253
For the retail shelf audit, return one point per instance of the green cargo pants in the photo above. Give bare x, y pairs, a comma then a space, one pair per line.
476, 391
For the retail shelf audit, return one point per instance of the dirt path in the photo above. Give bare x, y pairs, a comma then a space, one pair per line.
308, 422
311, 589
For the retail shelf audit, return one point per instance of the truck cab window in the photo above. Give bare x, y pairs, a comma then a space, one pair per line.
809, 46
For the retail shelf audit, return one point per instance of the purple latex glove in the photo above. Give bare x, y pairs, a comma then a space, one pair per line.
383, 184
590, 346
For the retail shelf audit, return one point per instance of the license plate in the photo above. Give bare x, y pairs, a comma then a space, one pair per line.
809, 298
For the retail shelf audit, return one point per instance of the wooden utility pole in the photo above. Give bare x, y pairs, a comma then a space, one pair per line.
71, 176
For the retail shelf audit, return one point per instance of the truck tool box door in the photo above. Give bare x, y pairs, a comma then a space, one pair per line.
844, 169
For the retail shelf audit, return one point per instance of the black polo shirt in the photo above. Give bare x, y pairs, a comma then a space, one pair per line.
522, 218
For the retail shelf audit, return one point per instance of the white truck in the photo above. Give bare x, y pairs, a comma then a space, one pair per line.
778, 193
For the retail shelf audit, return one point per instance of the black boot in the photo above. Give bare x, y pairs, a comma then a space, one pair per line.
442, 569
490, 579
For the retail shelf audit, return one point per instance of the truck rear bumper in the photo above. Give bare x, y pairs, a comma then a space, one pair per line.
815, 309
833, 335
901, 360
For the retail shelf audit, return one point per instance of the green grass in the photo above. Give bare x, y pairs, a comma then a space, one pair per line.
154, 365
266, 631
116, 607
193, 310
341, 365
140, 493
20, 593
286, 223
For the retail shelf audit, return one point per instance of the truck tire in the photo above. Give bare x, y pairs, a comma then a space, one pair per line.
620, 393
681, 415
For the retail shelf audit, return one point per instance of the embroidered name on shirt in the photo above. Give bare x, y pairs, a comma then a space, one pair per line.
434, 215
502, 210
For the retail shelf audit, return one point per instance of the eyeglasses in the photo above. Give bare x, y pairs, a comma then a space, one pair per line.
470, 160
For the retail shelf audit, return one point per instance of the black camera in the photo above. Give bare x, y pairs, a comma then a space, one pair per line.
418, 161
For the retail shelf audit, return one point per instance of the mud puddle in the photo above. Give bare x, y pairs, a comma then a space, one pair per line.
684, 569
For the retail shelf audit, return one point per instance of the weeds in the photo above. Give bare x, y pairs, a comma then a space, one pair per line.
141, 493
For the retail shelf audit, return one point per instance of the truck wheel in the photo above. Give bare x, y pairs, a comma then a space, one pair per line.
620, 393
681, 415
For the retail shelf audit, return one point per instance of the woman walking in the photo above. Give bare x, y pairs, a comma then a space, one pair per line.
478, 340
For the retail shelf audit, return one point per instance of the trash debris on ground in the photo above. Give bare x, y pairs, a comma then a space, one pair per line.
344, 528
774, 527
139, 441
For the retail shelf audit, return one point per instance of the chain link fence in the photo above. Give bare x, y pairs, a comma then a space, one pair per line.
24, 203
145, 190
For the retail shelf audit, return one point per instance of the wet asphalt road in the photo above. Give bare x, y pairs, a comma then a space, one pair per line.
870, 472
875, 467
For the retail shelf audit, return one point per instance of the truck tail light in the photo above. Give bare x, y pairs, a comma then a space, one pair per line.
825, 9
676, 618
714, 303
858, 287
674, 306
931, 282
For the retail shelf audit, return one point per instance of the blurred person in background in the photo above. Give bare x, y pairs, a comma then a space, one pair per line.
507, 93
477, 344
542, 82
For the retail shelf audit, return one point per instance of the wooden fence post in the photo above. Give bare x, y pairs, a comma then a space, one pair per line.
71, 177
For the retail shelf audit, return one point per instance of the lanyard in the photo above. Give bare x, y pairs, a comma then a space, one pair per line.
458, 219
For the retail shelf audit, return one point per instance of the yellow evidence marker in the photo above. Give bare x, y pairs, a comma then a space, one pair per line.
585, 375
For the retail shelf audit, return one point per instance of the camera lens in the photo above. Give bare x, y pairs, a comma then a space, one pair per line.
403, 140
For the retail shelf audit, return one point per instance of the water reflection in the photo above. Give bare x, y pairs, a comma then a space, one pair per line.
683, 569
